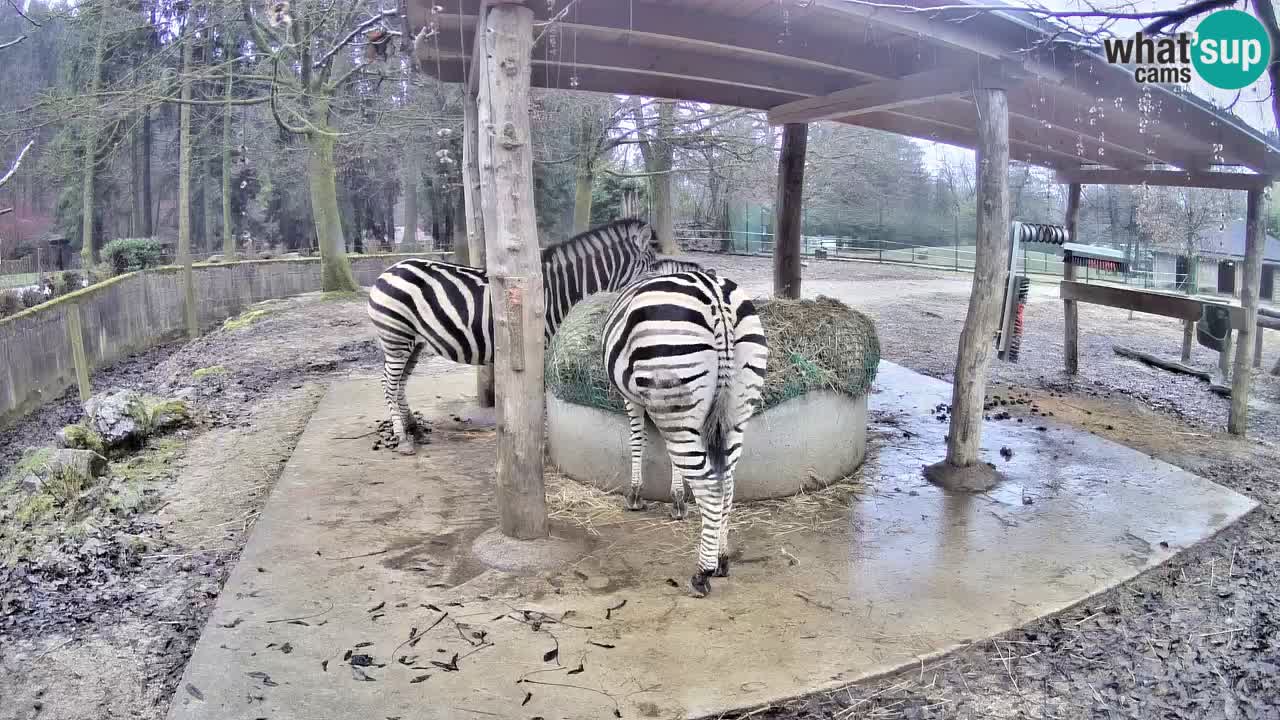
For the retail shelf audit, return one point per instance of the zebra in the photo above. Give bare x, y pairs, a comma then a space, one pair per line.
688, 350
445, 309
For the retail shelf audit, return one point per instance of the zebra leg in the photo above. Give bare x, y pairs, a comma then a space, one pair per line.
636, 415
722, 561
395, 357
708, 492
402, 401
679, 508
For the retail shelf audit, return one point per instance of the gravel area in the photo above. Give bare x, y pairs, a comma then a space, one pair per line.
1196, 638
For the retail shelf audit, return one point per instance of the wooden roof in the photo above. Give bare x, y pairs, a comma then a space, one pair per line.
908, 72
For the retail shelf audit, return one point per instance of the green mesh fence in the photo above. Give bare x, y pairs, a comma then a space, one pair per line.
818, 344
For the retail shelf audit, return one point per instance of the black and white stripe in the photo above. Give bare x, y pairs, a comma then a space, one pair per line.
444, 309
688, 350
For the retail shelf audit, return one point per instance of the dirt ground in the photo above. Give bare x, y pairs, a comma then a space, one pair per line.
1197, 638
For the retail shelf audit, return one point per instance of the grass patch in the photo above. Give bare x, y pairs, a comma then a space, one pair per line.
204, 372
154, 413
83, 437
154, 462
245, 319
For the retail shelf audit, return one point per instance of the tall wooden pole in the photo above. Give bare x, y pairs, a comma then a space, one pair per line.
184, 193
786, 237
991, 256
475, 218
1071, 334
1252, 281
514, 264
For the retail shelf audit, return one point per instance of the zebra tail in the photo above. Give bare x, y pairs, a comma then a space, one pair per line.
715, 430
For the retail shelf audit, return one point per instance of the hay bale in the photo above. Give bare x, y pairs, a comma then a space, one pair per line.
818, 344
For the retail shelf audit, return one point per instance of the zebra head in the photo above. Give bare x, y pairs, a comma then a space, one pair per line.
639, 235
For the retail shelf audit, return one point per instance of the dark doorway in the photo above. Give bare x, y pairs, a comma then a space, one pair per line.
1227, 277
1268, 289
1180, 272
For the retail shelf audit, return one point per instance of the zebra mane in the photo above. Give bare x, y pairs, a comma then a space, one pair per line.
581, 237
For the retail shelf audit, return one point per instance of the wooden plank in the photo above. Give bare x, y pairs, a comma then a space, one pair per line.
885, 94
1152, 360
514, 264
1182, 307
974, 355
786, 248
79, 358
475, 220
1070, 311
1168, 178
1255, 241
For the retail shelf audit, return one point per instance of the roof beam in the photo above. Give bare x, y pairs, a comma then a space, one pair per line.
888, 94
961, 135
1168, 178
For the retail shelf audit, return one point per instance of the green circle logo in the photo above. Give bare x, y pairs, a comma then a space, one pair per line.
1231, 49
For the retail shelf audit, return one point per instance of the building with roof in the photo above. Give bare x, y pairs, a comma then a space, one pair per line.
1219, 267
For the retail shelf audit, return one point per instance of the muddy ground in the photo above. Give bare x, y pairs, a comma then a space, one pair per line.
1197, 638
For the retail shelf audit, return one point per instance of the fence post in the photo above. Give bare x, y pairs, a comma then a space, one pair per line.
75, 334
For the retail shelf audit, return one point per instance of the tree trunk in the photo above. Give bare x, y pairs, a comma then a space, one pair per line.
582, 199
88, 239
515, 268
786, 247
148, 215
1241, 378
184, 194
461, 250
1070, 311
335, 268
410, 186
474, 220
135, 183
991, 255
228, 230
210, 212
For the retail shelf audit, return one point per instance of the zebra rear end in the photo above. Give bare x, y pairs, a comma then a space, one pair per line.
688, 350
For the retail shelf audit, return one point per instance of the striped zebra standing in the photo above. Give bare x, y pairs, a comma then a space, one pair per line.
444, 309
688, 350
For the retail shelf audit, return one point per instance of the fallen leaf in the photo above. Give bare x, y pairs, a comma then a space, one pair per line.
377, 607
195, 692
527, 697
418, 679
551, 655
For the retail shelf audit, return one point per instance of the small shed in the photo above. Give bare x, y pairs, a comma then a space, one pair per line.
1220, 265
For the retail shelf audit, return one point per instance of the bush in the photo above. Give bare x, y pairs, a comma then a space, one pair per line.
67, 281
130, 254
10, 303
32, 297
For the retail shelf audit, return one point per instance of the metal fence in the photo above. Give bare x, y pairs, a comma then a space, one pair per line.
954, 257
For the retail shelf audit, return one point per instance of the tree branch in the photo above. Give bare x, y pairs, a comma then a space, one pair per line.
13, 42
23, 15
1177, 17
16, 164
352, 36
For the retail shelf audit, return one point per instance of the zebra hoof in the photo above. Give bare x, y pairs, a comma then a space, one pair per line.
701, 583
406, 447
633, 501
679, 510
722, 567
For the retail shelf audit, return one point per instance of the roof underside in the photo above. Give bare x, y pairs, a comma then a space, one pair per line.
1068, 108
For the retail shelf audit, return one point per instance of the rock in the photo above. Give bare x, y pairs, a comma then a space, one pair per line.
38, 465
116, 418
123, 419
598, 582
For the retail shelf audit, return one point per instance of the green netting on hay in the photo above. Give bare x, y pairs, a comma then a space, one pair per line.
818, 344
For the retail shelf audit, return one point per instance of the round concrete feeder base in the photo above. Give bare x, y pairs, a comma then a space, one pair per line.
805, 443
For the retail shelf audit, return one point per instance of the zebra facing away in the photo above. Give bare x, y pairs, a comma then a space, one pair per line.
444, 309
688, 350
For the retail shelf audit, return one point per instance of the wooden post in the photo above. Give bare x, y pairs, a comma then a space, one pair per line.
475, 218
514, 263
1224, 359
1255, 234
75, 334
786, 246
1257, 349
1070, 311
990, 258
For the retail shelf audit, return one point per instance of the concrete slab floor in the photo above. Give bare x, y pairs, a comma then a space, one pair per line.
358, 553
